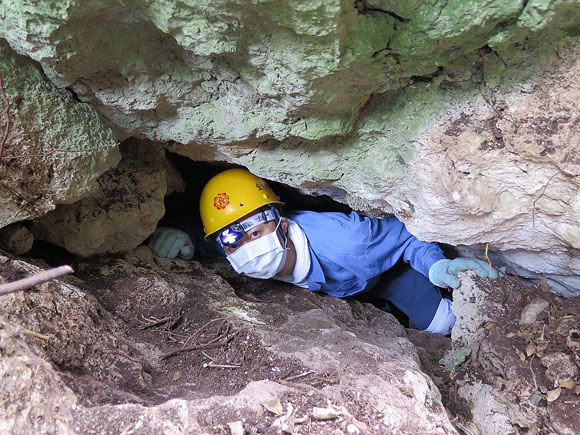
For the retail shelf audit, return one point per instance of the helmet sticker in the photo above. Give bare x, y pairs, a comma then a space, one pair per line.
221, 201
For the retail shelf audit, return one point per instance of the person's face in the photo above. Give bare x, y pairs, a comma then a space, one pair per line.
251, 235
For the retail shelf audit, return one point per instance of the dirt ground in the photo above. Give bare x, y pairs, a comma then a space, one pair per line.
533, 366
238, 357
221, 359
205, 355
531, 359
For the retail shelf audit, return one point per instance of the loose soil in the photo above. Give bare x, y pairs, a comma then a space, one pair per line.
204, 354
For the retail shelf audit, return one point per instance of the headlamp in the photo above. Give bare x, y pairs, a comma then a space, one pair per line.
235, 233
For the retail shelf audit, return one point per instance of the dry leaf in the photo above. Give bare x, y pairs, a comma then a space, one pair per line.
567, 383
274, 406
489, 325
530, 349
177, 376
287, 421
554, 394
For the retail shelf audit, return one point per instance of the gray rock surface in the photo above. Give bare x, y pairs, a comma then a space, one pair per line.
53, 149
120, 215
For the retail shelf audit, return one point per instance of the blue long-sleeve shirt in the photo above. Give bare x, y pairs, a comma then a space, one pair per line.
349, 252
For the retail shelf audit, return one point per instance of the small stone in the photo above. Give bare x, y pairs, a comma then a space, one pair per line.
531, 311
536, 398
352, 429
324, 413
236, 428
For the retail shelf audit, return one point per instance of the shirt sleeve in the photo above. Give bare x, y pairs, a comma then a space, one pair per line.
389, 240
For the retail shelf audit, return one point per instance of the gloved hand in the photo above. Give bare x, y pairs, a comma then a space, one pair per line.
170, 242
444, 272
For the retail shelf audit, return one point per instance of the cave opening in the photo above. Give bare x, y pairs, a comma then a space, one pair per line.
197, 173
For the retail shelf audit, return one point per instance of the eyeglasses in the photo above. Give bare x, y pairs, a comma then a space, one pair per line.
235, 233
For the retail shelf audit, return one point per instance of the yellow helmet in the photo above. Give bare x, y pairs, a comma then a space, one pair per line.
229, 196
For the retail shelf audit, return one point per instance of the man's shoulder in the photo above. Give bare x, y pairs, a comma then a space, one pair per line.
331, 231
307, 217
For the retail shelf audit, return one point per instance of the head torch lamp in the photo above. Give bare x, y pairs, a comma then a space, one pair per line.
235, 233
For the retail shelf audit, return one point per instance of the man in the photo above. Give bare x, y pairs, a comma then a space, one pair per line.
339, 254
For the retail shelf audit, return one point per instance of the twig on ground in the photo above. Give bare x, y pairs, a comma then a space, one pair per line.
196, 333
301, 375
17, 330
210, 345
152, 322
533, 374
38, 278
212, 364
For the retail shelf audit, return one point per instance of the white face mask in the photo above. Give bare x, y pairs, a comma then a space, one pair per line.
262, 258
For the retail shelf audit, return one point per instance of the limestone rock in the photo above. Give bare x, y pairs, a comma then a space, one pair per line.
460, 119
532, 310
520, 374
69, 144
118, 217
489, 414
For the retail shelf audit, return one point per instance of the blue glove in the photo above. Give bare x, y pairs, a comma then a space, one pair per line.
170, 242
444, 272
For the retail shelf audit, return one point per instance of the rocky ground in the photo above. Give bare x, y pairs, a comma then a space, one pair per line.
137, 344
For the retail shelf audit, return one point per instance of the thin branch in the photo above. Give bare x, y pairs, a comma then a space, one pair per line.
7, 114
202, 328
17, 330
210, 345
38, 278
487, 256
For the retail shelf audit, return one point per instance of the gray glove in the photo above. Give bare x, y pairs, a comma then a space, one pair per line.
170, 242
